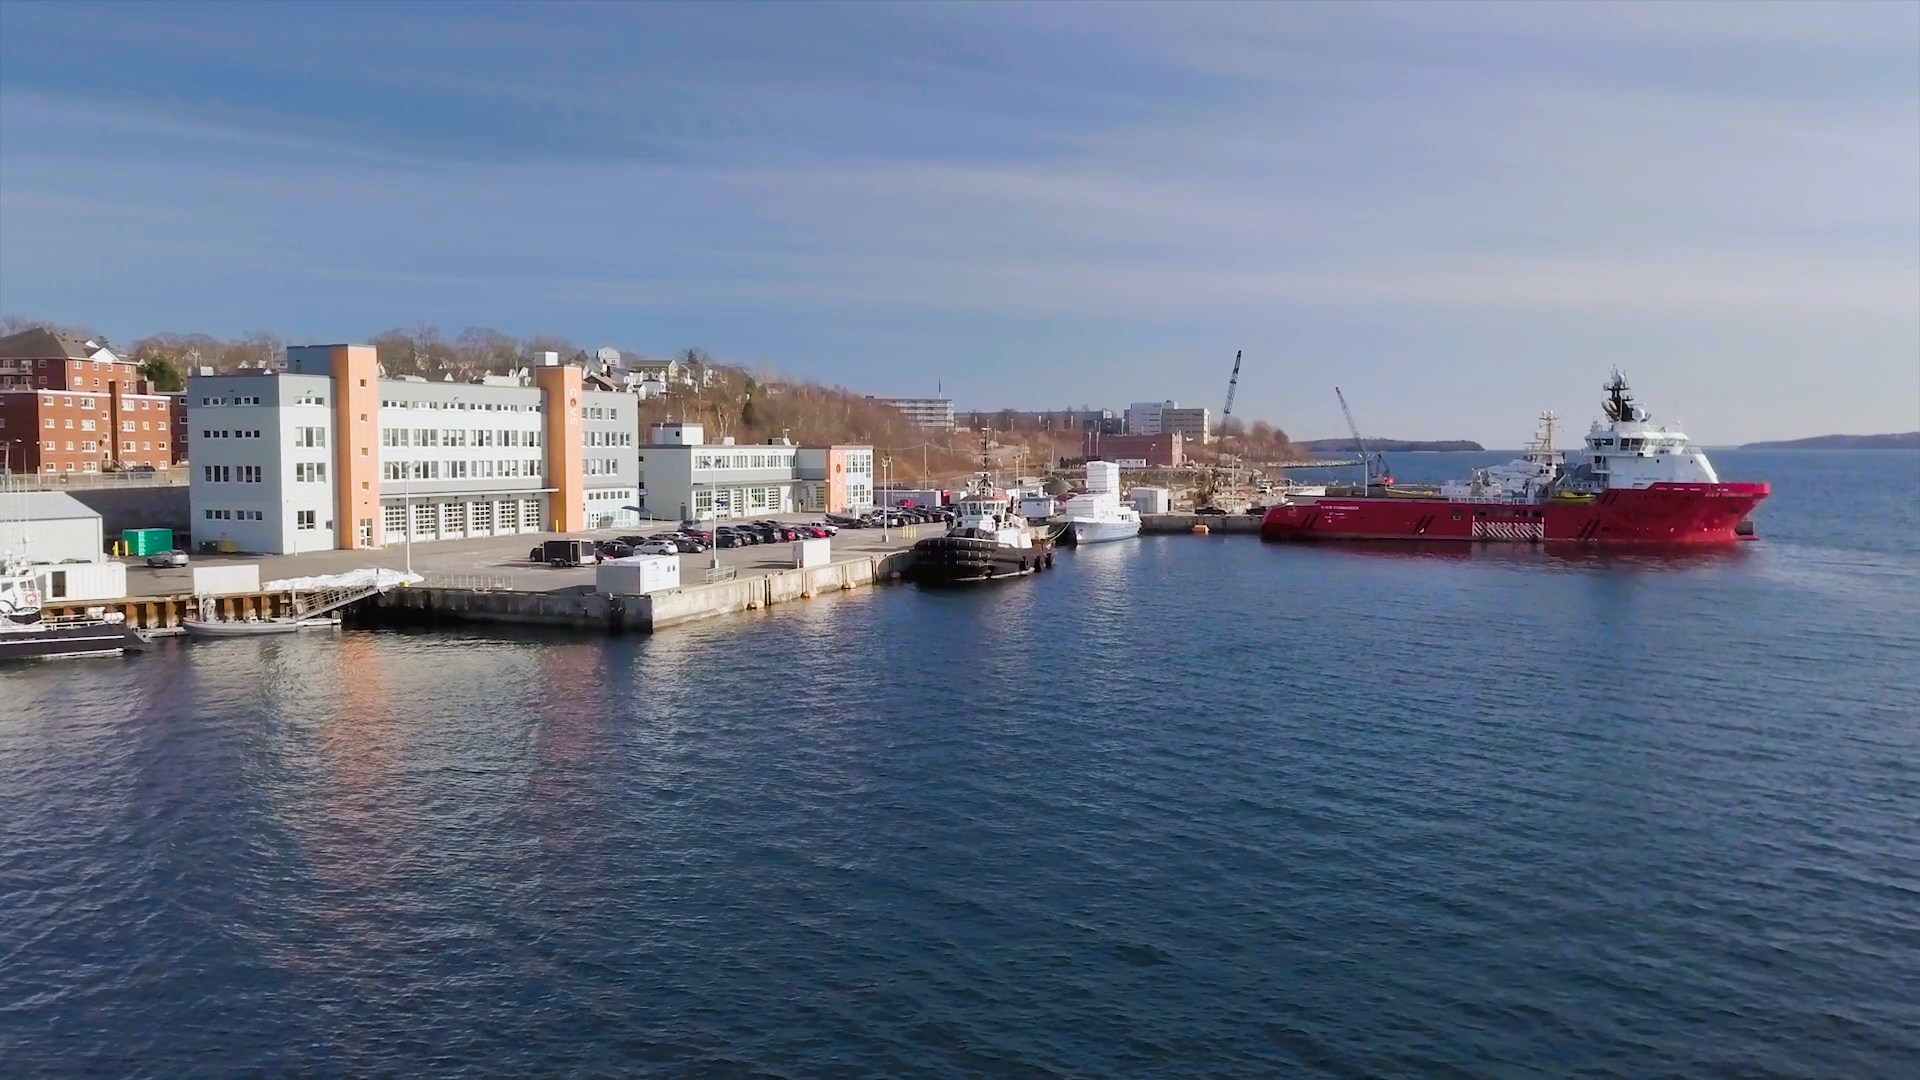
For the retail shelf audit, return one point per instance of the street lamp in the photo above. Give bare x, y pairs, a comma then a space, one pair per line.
886, 514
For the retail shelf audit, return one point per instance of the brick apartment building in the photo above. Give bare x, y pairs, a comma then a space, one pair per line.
1165, 451
68, 405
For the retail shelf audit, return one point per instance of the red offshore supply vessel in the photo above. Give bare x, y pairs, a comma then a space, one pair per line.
1632, 483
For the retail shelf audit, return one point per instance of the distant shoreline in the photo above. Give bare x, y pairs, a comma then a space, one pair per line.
1393, 446
1906, 441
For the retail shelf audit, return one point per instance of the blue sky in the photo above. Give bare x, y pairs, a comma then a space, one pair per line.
1462, 214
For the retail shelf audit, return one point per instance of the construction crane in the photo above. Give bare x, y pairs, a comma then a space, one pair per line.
1369, 463
1233, 383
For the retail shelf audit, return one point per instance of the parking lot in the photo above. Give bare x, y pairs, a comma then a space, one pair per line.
501, 561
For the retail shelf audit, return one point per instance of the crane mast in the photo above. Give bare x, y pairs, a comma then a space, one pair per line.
1233, 383
1366, 460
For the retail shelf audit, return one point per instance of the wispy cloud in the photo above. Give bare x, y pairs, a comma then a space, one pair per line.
978, 187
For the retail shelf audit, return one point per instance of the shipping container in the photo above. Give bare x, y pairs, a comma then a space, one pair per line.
143, 542
637, 575
226, 580
1152, 500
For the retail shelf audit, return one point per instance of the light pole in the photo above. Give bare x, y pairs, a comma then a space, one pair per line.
886, 512
406, 510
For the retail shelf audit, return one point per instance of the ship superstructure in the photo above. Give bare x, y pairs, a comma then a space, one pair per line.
1631, 481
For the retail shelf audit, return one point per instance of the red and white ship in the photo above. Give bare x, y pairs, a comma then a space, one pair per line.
1632, 483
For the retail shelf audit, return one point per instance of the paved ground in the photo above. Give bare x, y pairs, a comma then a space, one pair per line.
506, 557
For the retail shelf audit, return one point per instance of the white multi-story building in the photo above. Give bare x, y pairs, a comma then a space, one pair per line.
687, 477
1165, 417
1143, 417
930, 414
329, 455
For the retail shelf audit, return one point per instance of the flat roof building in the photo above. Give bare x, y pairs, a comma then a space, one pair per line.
1166, 451
928, 414
328, 454
687, 477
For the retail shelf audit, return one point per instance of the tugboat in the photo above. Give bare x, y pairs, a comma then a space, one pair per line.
989, 541
26, 635
1631, 483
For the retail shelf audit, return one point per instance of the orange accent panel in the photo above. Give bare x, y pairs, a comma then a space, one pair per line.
836, 479
356, 491
566, 466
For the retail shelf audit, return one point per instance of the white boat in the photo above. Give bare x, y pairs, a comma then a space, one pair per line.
238, 627
1098, 515
28, 634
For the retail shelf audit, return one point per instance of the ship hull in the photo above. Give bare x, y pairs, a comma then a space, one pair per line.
1659, 514
943, 561
99, 639
1087, 531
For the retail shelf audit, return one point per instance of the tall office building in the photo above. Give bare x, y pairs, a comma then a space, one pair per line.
327, 454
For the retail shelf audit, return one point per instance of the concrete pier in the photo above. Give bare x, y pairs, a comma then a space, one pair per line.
1184, 523
580, 607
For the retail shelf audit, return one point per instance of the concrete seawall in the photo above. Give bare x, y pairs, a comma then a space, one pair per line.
582, 608
1184, 523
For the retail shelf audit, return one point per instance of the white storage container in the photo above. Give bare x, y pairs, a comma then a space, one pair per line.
1151, 500
637, 575
812, 553
226, 580
67, 582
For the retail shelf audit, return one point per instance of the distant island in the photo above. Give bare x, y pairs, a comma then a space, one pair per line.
1908, 441
1397, 446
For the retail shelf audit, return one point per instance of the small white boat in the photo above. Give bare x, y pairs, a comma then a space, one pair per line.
239, 627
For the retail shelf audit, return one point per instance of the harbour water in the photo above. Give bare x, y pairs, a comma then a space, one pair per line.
1182, 808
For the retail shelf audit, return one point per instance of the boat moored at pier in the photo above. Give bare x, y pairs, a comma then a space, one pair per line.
1631, 482
988, 542
27, 634
1098, 515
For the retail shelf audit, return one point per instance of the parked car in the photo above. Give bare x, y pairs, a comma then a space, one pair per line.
657, 547
634, 541
730, 539
163, 559
826, 527
810, 532
614, 549
140, 468
685, 544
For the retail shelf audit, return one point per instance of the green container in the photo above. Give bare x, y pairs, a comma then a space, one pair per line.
147, 541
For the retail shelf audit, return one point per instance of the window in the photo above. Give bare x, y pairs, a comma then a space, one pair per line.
49, 421
310, 436
126, 446
310, 472
303, 520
